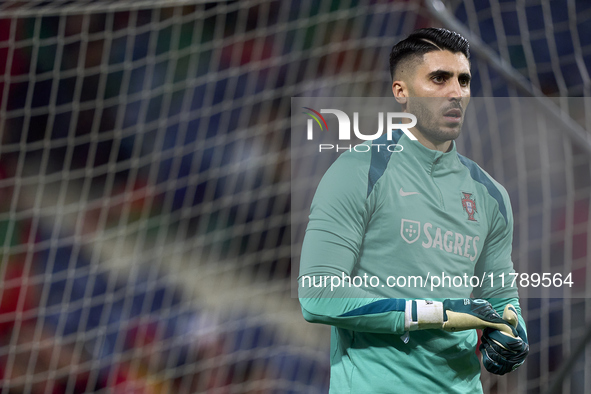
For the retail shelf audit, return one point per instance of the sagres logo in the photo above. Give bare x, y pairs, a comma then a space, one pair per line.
391, 119
410, 230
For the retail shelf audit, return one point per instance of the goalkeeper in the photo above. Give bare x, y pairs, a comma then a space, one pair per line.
426, 209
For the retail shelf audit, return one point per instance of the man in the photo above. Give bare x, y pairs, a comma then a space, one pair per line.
424, 211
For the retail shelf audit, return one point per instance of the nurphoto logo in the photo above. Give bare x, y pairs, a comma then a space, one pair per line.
344, 129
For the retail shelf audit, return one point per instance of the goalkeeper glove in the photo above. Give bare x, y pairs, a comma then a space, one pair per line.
454, 315
502, 353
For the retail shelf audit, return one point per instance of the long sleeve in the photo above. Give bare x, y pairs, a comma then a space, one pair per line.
339, 215
496, 259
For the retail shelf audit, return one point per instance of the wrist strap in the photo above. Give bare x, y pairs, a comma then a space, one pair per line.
423, 314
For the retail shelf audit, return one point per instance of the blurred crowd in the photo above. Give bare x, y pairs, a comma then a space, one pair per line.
124, 117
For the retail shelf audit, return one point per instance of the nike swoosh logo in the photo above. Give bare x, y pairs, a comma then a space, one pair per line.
404, 194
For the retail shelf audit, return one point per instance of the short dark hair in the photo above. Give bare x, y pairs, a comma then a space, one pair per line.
427, 40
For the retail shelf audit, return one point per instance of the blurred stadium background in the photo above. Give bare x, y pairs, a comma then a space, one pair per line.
145, 183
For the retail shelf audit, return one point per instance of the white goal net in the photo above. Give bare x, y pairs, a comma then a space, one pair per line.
145, 205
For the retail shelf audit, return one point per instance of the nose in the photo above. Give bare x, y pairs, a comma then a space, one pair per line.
456, 90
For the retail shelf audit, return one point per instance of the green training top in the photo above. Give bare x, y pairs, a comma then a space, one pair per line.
386, 224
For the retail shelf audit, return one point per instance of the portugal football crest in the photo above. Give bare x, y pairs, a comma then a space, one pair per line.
469, 205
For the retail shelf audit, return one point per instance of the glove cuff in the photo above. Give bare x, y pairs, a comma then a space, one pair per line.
423, 315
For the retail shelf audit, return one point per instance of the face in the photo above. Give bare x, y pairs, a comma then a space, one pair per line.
443, 79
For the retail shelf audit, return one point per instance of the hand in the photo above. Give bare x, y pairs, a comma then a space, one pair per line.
454, 315
502, 353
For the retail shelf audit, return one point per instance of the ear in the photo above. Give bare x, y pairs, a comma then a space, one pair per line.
400, 91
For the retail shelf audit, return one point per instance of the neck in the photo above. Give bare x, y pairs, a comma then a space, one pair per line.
442, 146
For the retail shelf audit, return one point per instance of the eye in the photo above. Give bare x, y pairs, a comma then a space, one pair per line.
464, 81
438, 79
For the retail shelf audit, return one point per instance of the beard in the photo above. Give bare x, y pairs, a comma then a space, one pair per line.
431, 122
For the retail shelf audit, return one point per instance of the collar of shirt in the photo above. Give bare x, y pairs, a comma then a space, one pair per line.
433, 161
